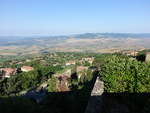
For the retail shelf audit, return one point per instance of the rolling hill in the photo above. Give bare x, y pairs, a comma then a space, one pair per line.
88, 42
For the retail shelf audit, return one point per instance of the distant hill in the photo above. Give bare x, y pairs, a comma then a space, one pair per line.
113, 35
87, 42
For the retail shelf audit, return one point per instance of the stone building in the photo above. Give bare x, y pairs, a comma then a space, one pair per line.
70, 63
147, 57
26, 68
7, 72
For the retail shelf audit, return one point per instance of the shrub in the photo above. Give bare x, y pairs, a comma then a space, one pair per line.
121, 74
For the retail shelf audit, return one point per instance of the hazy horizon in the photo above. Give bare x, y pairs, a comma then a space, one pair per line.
71, 34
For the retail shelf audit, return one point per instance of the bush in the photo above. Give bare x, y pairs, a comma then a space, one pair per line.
26, 80
121, 74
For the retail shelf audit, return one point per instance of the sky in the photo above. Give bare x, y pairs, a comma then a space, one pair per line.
59, 17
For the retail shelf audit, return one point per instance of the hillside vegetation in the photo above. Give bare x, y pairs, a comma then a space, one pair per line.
70, 78
124, 74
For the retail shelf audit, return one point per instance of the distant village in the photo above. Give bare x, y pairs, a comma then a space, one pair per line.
73, 68
6, 72
43, 75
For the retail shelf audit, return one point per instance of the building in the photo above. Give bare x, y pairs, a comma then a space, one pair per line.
147, 57
56, 64
7, 72
130, 52
70, 63
28, 60
89, 59
26, 68
19, 63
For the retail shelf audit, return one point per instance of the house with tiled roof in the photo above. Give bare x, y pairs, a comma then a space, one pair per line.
7, 72
26, 68
70, 63
89, 59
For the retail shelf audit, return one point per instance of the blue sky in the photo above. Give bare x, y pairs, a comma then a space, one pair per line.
56, 17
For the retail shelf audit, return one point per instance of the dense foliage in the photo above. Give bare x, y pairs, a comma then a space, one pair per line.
123, 74
16, 89
27, 80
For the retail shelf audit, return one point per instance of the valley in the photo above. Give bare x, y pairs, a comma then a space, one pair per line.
88, 42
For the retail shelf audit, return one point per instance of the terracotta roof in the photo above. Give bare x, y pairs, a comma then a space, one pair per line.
70, 62
8, 71
27, 68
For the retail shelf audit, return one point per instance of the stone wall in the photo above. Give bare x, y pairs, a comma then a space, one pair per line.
96, 100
